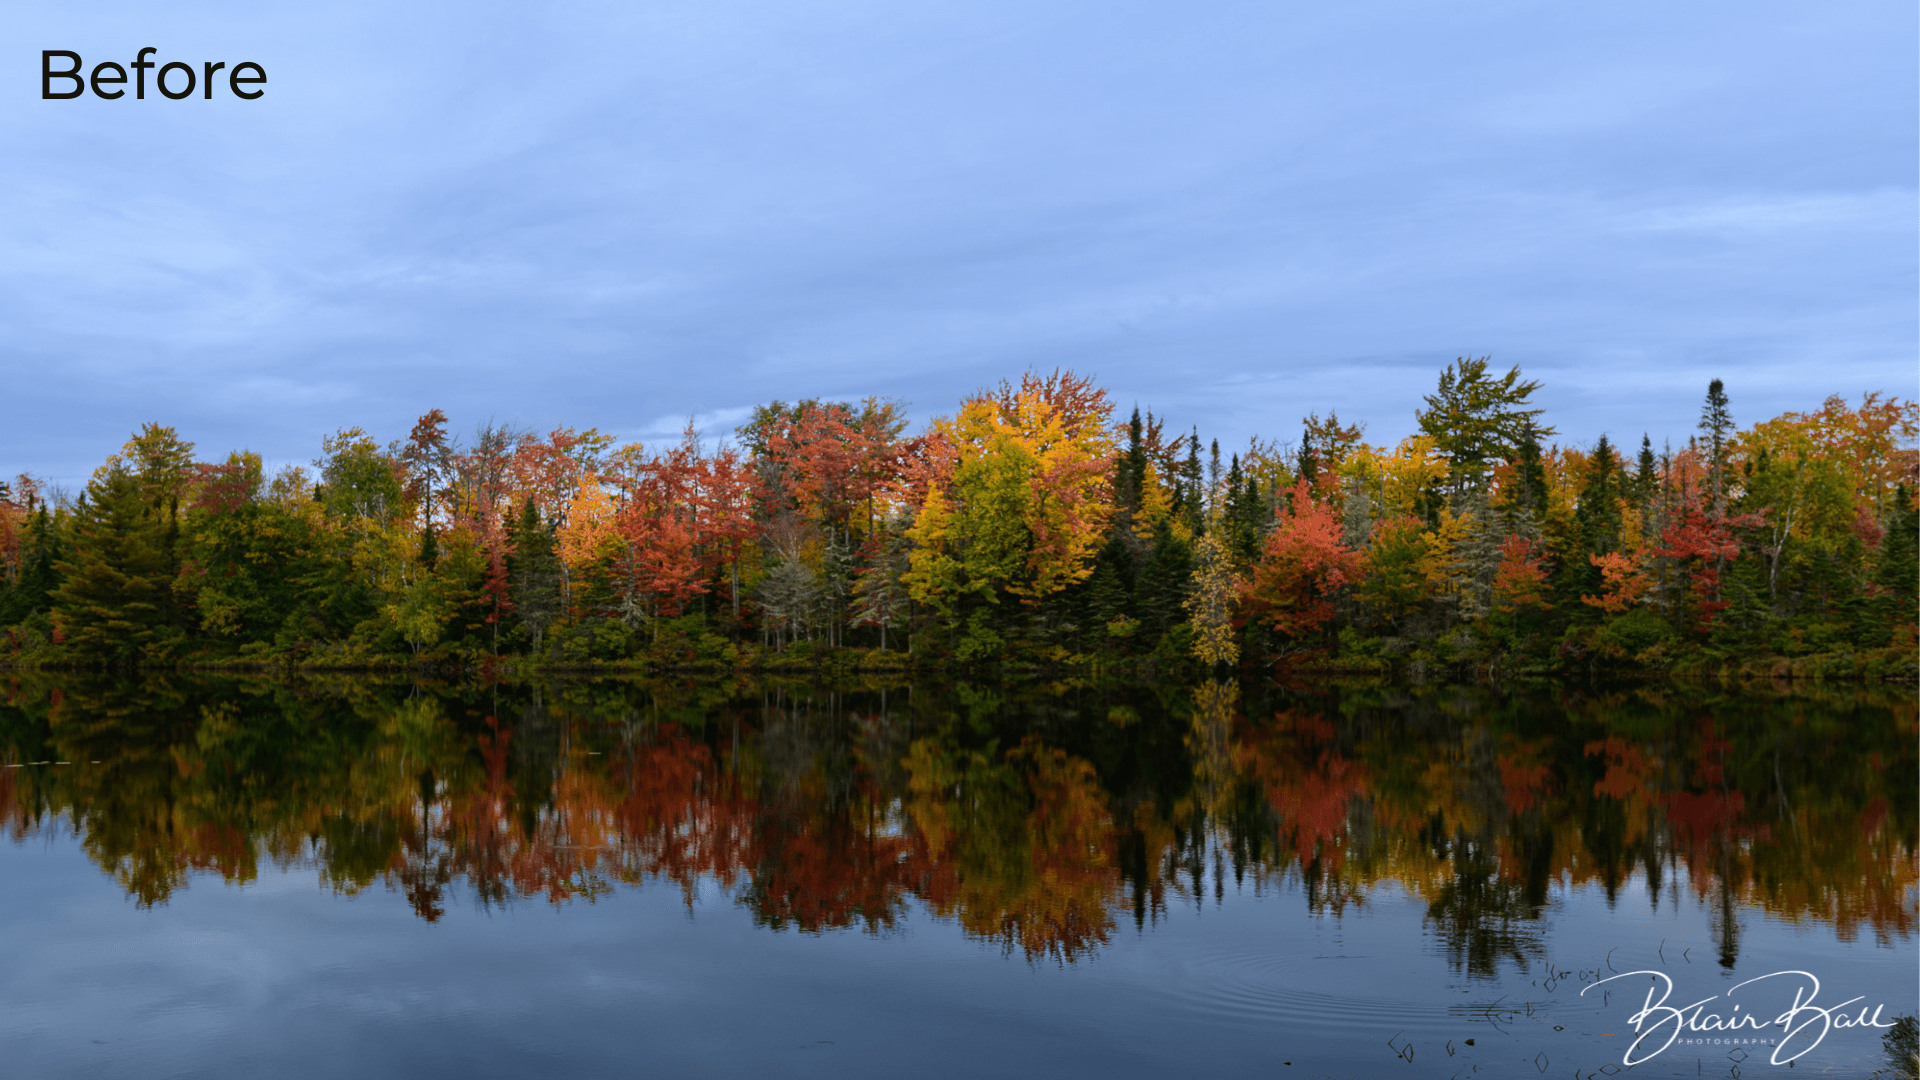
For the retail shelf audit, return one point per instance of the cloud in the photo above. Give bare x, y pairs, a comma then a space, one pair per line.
622, 215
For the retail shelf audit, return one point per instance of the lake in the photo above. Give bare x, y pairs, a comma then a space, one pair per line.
353, 875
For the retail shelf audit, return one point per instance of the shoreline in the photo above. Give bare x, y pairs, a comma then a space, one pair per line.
1875, 666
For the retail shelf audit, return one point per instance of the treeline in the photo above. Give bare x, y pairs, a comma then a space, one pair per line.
1029, 526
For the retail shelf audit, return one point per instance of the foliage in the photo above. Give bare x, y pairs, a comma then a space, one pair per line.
1476, 419
1303, 567
1027, 527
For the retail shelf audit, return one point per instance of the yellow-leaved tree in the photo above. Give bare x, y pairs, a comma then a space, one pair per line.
1026, 504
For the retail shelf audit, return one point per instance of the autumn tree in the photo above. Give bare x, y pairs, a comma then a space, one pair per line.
427, 459
1302, 567
1210, 601
1027, 502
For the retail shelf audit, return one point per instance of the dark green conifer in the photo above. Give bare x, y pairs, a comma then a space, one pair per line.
1898, 575
1646, 474
1598, 513
30, 593
1596, 529
1132, 471
1529, 492
1716, 419
1242, 517
533, 571
112, 602
1162, 585
1190, 502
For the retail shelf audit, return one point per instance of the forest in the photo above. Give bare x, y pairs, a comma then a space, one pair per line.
1033, 527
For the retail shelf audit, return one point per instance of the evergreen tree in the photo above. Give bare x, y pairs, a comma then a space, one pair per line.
1646, 474
1161, 591
429, 546
880, 598
1716, 420
1477, 419
1596, 527
1108, 593
1131, 472
1898, 575
112, 603
533, 571
1477, 558
1190, 502
1214, 476
1357, 514
1529, 494
1242, 517
30, 593
1598, 512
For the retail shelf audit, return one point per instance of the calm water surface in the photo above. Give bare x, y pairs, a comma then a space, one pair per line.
595, 878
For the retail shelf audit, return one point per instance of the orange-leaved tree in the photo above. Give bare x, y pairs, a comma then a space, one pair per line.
1303, 565
1028, 499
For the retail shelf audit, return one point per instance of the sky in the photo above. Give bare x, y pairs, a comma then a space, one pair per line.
626, 215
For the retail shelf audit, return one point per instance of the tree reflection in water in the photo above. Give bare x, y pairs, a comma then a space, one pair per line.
1032, 817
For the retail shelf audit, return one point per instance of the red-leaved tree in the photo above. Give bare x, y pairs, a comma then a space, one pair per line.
1304, 564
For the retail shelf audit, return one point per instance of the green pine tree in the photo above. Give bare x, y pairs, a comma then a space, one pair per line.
1596, 526
1160, 592
1646, 473
113, 602
1716, 419
1529, 492
1898, 575
1477, 419
533, 572
30, 593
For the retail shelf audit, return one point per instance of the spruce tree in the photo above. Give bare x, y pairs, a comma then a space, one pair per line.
1191, 504
1477, 559
1596, 526
1898, 575
1598, 513
1716, 419
1106, 594
1242, 516
30, 593
1131, 475
112, 604
1161, 589
533, 571
1646, 474
1529, 494
1214, 475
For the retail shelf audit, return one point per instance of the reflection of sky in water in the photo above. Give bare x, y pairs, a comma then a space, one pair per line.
611, 878
281, 978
